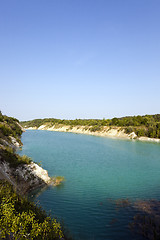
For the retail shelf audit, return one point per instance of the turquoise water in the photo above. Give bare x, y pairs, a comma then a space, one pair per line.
97, 171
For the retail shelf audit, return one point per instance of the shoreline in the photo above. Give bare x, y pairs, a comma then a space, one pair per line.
24, 177
111, 132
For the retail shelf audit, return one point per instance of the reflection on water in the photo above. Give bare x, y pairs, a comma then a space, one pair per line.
37, 192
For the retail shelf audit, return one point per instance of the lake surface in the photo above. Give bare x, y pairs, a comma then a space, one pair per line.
98, 172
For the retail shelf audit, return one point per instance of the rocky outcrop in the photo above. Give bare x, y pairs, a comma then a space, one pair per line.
25, 177
132, 135
14, 144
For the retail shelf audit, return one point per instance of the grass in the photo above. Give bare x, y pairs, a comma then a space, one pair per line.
14, 160
57, 180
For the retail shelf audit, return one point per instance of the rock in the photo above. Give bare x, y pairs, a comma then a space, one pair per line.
40, 172
42, 127
14, 142
25, 177
132, 135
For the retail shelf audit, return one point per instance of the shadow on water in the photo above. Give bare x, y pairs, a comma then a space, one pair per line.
37, 192
60, 186
145, 216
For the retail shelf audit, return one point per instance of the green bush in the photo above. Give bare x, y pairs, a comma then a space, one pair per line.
140, 132
12, 158
95, 128
10, 127
5, 130
21, 219
129, 130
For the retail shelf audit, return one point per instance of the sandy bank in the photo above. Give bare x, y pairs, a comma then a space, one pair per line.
106, 131
147, 139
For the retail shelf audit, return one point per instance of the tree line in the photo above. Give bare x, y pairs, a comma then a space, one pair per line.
147, 125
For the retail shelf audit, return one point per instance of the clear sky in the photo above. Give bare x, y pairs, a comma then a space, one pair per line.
79, 58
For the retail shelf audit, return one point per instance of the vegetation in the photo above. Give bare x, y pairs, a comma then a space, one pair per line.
22, 219
9, 127
54, 121
95, 128
148, 125
58, 180
7, 154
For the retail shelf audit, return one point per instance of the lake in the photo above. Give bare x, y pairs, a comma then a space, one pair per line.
99, 172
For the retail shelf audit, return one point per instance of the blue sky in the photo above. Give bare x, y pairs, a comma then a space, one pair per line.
79, 58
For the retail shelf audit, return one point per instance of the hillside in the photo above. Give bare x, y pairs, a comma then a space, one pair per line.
10, 131
142, 126
20, 218
20, 171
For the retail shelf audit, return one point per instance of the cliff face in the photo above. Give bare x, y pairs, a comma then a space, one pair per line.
20, 171
24, 177
104, 131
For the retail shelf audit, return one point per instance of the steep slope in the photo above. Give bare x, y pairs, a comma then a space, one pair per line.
20, 171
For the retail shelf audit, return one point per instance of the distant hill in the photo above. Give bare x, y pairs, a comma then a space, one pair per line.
147, 125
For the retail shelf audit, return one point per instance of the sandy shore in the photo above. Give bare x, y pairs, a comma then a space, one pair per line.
113, 132
105, 132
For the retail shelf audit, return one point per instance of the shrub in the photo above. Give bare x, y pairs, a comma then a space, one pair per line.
129, 130
57, 180
12, 158
95, 128
21, 219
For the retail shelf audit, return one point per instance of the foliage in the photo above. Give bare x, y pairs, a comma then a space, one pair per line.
9, 127
21, 219
148, 125
95, 128
58, 180
129, 130
53, 121
12, 158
